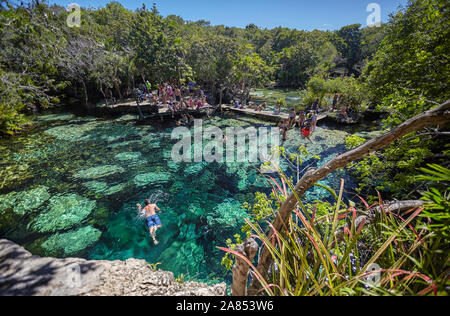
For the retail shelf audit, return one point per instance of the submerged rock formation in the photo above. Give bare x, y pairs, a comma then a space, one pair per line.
65, 212
24, 274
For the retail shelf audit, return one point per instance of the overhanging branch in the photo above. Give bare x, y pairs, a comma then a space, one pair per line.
437, 116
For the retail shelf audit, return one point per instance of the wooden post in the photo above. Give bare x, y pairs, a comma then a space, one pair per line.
241, 268
141, 115
220, 101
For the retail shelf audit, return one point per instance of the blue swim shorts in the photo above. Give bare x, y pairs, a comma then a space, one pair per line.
153, 221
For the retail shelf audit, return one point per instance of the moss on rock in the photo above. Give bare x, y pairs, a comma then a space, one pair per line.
102, 188
26, 201
55, 117
98, 172
65, 212
72, 132
228, 213
31, 200
126, 156
14, 174
152, 178
71, 242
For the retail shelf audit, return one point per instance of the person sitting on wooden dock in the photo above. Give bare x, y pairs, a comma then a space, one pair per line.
277, 110
178, 94
205, 102
191, 86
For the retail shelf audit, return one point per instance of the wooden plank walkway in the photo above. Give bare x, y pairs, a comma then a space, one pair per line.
130, 107
266, 115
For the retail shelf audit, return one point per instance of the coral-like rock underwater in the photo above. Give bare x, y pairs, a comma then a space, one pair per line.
70, 188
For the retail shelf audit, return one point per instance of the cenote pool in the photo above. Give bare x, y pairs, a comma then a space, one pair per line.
69, 188
271, 96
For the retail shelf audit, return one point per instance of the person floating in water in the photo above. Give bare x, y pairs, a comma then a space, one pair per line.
153, 221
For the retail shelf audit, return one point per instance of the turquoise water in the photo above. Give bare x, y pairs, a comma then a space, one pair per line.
69, 188
271, 96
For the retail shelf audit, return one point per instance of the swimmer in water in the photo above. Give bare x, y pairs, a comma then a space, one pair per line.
153, 221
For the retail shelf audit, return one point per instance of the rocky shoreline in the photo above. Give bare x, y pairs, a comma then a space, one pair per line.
22, 274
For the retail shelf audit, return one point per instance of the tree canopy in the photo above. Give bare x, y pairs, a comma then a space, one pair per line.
45, 62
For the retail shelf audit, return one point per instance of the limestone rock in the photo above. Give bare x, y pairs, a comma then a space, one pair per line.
152, 178
24, 274
71, 242
65, 212
98, 172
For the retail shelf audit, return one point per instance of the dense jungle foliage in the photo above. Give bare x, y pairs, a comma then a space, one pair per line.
401, 68
44, 62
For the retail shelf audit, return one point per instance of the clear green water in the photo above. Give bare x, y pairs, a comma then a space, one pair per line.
271, 96
69, 188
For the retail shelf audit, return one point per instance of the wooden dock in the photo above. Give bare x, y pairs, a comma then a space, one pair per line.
265, 115
147, 109
161, 111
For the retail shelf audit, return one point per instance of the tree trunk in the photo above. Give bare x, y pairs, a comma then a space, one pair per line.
437, 116
220, 99
241, 268
117, 88
138, 104
86, 100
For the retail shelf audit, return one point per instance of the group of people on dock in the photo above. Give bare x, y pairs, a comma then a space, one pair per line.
305, 121
176, 98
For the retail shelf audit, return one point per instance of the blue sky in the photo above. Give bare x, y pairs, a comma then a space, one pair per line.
300, 14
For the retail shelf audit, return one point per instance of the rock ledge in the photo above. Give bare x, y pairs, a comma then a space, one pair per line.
24, 274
